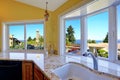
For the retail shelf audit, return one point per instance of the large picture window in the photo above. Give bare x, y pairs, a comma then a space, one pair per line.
26, 36
100, 30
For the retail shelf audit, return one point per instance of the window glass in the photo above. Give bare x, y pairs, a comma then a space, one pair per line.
35, 38
118, 30
26, 36
16, 36
98, 34
73, 35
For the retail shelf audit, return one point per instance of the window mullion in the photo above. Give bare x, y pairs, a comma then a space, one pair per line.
112, 34
83, 34
25, 41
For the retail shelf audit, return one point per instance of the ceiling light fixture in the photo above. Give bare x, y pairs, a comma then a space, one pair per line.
46, 13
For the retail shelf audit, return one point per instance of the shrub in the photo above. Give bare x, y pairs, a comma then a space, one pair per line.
102, 53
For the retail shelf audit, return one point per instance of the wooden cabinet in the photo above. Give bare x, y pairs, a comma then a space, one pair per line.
46, 78
39, 74
27, 70
30, 71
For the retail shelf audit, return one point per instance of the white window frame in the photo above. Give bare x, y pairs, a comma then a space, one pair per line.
6, 36
111, 30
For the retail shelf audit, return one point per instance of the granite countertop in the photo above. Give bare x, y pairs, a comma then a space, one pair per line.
53, 61
50, 62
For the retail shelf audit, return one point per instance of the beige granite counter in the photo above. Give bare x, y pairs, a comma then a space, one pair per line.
53, 61
50, 62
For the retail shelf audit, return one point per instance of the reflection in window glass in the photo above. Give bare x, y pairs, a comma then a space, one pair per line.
118, 30
98, 34
73, 35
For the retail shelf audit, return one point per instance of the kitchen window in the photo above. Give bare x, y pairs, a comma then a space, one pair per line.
24, 36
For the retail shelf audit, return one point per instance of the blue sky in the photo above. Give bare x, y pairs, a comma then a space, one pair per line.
97, 25
75, 23
18, 30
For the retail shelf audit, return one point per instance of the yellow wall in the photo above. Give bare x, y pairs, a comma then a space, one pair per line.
0, 35
11, 10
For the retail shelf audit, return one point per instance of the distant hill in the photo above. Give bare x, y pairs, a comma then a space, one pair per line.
97, 41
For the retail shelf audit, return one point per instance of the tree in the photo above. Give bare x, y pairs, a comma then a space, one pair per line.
91, 41
41, 39
106, 39
29, 39
34, 39
67, 42
70, 34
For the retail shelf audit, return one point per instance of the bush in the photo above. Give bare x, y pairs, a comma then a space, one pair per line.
102, 53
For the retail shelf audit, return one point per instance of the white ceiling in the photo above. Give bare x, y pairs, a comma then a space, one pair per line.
52, 4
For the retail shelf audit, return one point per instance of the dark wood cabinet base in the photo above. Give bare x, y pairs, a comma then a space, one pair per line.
31, 71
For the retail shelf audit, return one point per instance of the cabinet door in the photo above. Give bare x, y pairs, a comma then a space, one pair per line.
46, 78
27, 70
38, 75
